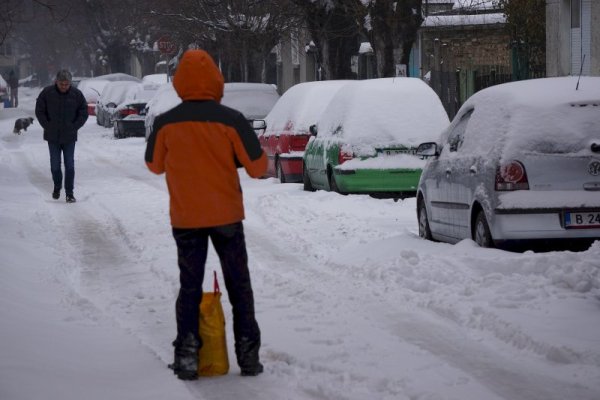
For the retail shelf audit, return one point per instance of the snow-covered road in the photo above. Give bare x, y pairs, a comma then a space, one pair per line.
351, 302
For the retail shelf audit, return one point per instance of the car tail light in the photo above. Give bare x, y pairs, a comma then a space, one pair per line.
344, 155
511, 176
127, 111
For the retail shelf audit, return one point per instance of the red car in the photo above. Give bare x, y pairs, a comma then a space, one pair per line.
287, 131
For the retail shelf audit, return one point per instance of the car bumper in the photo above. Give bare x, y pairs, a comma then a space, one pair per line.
529, 214
381, 183
536, 224
291, 164
132, 128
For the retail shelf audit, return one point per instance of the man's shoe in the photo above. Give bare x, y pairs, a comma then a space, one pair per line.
185, 365
70, 198
56, 194
246, 351
253, 371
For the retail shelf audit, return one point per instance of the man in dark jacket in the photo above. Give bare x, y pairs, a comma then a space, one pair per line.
61, 110
199, 145
13, 84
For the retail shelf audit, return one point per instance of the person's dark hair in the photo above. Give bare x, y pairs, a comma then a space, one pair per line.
64, 75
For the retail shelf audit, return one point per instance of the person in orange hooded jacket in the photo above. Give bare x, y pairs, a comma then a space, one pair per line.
199, 145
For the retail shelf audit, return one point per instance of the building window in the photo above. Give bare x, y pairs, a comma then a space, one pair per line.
580, 36
5, 49
295, 47
575, 13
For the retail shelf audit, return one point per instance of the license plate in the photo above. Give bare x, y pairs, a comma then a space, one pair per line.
393, 152
582, 220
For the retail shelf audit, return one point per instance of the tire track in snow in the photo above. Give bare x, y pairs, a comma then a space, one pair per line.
341, 337
102, 264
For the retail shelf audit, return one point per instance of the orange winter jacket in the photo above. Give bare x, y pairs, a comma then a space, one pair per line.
199, 145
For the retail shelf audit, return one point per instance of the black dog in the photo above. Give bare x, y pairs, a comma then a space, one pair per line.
22, 123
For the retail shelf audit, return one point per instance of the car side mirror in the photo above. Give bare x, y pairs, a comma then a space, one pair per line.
259, 124
428, 149
313, 130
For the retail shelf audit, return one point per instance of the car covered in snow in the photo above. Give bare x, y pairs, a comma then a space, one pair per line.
366, 140
520, 162
287, 126
130, 115
92, 87
254, 100
114, 93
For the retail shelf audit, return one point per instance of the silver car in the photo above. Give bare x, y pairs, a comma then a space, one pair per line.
520, 161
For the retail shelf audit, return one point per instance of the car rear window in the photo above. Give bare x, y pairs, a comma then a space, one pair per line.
565, 129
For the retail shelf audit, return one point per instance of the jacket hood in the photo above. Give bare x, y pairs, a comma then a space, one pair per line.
198, 77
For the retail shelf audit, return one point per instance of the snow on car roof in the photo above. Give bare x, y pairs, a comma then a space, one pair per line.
118, 76
92, 88
158, 79
164, 99
117, 91
405, 111
545, 115
254, 100
301, 106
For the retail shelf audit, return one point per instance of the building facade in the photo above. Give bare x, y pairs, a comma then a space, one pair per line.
572, 37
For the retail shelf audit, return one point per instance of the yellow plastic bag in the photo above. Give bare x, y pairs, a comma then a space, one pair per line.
213, 358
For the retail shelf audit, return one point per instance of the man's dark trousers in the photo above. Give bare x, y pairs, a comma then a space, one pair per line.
68, 153
229, 243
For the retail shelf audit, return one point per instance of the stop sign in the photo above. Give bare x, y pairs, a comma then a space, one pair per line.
165, 45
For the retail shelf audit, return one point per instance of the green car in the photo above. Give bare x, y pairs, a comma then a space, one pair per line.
366, 139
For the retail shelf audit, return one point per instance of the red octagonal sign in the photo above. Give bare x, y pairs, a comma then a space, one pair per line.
165, 45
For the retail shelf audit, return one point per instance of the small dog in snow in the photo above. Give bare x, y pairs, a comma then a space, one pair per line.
22, 124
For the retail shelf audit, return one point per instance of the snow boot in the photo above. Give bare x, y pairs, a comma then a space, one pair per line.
185, 365
56, 194
247, 356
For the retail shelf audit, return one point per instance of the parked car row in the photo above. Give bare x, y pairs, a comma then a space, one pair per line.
119, 101
92, 88
519, 162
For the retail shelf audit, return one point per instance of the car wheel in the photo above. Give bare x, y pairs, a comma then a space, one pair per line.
279, 172
424, 230
308, 187
333, 184
482, 234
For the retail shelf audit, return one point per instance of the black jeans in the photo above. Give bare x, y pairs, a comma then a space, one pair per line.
68, 153
230, 245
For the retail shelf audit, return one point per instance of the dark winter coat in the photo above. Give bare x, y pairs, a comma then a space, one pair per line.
61, 114
13, 82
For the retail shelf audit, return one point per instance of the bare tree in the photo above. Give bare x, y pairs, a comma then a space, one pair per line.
15, 12
526, 20
239, 33
391, 27
334, 28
